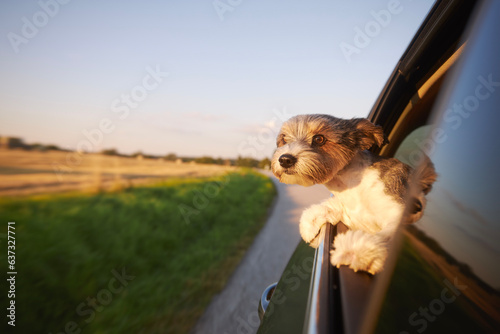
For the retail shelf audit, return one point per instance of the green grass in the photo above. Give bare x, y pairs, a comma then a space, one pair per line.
70, 248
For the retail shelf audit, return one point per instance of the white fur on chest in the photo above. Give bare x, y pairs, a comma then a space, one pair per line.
362, 200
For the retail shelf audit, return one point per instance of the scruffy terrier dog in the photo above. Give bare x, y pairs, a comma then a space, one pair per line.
369, 191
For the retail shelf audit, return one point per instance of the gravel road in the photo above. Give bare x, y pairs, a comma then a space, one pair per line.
234, 310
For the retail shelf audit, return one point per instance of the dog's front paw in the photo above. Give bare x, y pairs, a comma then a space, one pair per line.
311, 221
359, 251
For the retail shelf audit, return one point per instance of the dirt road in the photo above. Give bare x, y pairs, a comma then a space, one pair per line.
234, 310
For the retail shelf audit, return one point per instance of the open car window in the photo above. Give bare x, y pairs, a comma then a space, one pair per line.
447, 267
404, 110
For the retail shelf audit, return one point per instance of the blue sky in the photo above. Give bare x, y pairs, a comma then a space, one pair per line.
235, 69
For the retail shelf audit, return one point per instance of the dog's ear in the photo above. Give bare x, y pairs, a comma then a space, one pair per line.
425, 174
368, 134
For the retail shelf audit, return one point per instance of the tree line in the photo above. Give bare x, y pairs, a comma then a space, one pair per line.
18, 143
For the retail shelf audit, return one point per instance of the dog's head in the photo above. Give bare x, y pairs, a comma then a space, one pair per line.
421, 181
312, 149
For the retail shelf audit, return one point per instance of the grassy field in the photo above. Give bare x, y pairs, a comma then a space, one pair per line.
140, 260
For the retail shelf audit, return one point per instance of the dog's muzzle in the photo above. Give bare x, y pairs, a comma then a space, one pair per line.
287, 160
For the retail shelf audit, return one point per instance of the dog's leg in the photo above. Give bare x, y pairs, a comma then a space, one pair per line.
316, 216
360, 251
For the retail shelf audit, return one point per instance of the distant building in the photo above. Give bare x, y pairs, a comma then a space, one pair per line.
9, 143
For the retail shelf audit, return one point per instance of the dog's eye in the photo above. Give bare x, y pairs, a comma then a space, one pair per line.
281, 141
318, 140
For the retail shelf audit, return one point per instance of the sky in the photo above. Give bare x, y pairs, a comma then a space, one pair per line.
194, 78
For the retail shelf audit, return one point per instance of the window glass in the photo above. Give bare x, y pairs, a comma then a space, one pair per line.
447, 275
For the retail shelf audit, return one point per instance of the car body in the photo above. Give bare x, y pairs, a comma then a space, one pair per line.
443, 272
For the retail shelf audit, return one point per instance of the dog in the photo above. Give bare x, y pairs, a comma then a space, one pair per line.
370, 192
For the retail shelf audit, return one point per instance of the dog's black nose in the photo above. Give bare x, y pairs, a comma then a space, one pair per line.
287, 160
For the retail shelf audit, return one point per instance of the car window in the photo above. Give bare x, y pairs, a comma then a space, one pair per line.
446, 277
412, 149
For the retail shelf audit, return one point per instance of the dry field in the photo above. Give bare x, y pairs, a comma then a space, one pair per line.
32, 172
